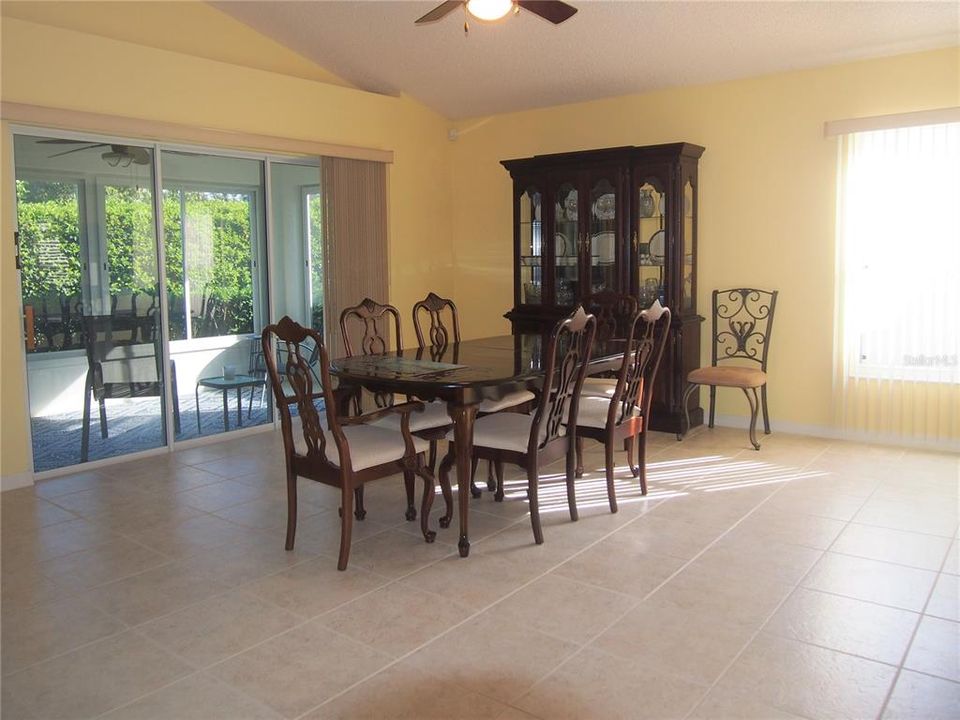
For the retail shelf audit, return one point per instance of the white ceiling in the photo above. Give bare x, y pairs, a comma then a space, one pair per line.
605, 50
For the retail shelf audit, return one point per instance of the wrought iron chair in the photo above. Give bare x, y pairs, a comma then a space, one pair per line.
362, 451
366, 328
742, 322
550, 432
625, 416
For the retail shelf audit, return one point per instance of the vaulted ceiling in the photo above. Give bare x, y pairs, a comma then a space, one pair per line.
605, 50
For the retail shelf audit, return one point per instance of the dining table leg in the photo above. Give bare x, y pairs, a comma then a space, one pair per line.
463, 417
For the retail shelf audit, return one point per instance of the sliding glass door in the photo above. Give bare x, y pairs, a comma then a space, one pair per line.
216, 271
89, 284
105, 331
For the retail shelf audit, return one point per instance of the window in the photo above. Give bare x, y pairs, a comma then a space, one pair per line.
899, 253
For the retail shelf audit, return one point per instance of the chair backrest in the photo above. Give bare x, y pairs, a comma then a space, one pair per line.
615, 312
742, 321
120, 364
438, 333
291, 339
371, 322
566, 358
646, 340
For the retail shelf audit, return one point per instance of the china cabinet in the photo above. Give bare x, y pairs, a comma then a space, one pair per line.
621, 219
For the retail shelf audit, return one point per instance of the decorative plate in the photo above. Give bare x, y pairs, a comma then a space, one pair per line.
571, 206
602, 246
658, 242
561, 244
605, 207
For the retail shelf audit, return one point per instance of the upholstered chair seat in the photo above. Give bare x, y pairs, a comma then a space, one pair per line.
728, 376
509, 400
372, 445
433, 416
595, 410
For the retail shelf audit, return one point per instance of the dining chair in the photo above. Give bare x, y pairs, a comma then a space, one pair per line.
615, 313
742, 323
440, 333
624, 416
531, 441
361, 452
366, 330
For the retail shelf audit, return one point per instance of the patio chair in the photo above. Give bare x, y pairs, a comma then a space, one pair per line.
118, 366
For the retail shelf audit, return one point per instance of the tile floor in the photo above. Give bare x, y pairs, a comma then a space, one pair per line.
813, 579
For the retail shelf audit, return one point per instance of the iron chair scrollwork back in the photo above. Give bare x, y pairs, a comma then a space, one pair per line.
741, 328
624, 415
344, 466
549, 433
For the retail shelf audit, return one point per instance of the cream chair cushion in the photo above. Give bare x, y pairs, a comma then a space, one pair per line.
728, 376
599, 387
434, 415
503, 431
593, 411
371, 445
507, 401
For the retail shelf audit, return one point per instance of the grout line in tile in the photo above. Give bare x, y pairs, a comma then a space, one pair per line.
531, 581
913, 637
797, 585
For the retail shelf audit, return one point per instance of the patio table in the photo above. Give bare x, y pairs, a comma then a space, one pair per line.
463, 374
237, 382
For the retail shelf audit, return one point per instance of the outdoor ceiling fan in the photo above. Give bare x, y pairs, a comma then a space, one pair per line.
491, 10
116, 156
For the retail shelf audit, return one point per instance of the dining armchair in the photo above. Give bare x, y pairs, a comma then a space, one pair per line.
623, 417
443, 329
366, 329
361, 452
531, 441
741, 328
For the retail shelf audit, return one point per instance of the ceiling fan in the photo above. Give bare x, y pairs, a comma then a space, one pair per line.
490, 10
116, 156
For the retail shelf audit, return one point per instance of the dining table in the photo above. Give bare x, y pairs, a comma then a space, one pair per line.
463, 374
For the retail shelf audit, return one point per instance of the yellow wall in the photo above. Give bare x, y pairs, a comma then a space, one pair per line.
767, 196
50, 66
189, 27
767, 177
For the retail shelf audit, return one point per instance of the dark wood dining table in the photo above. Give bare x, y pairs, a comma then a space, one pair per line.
463, 374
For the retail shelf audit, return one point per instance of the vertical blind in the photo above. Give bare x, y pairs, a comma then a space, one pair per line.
899, 283
355, 239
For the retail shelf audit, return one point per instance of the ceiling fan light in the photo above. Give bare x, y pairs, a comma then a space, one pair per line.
112, 158
489, 10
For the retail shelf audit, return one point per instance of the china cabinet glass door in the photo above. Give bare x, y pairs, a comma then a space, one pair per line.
686, 297
650, 241
603, 236
531, 247
566, 244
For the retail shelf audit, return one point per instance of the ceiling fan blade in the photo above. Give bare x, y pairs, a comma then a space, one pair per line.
440, 11
61, 142
140, 155
85, 147
553, 10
